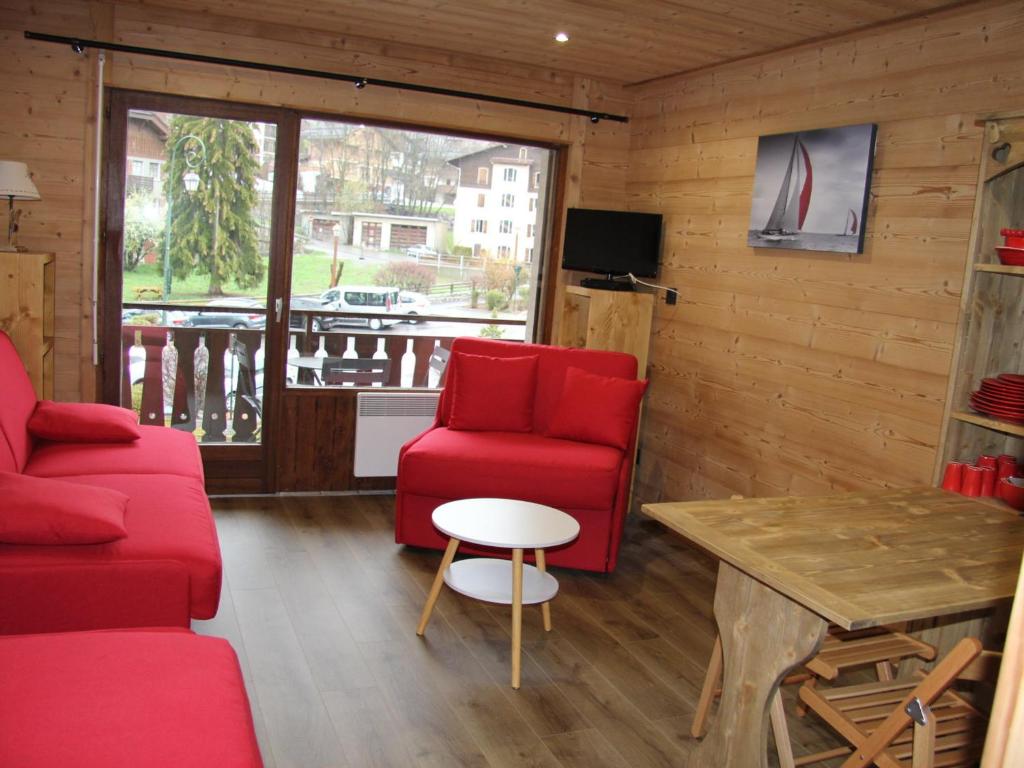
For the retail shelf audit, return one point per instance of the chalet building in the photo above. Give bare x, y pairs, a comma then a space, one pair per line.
147, 135
496, 202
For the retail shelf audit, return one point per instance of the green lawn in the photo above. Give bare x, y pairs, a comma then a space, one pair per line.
311, 274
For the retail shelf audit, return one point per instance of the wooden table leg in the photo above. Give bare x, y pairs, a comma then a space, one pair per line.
545, 608
764, 635
435, 588
517, 613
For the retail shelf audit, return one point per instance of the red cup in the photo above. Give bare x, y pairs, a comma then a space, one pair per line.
953, 478
972, 481
1006, 467
985, 460
988, 481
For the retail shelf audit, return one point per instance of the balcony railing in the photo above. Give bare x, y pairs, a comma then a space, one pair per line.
209, 380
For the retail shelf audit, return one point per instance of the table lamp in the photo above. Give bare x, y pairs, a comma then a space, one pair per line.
15, 184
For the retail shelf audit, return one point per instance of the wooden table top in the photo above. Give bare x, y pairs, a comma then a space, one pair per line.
867, 558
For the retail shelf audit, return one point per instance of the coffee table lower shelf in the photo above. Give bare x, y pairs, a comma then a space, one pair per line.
490, 580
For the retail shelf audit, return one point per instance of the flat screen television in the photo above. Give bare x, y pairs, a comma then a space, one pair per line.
612, 243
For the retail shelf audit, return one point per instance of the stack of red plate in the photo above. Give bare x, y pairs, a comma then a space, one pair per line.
1002, 397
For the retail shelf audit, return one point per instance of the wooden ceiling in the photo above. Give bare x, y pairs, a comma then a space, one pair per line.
623, 41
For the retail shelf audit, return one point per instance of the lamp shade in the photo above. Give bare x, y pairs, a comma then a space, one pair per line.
15, 181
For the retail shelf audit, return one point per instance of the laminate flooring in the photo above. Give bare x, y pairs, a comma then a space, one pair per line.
321, 606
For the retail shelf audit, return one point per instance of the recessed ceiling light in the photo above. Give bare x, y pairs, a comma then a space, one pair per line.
561, 37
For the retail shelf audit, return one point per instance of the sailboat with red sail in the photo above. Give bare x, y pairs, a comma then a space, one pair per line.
790, 209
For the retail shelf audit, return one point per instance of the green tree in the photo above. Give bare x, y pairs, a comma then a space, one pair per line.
213, 231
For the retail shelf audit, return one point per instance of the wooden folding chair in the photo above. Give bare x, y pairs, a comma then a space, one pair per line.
876, 718
840, 652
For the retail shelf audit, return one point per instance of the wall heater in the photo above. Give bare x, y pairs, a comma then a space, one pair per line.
385, 421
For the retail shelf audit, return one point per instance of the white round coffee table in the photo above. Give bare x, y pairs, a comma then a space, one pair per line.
505, 524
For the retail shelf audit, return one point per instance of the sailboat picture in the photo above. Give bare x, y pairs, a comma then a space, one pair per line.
811, 189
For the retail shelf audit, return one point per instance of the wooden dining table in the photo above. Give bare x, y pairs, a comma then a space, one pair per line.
790, 565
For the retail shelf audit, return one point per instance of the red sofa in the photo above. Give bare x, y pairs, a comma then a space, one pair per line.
587, 480
123, 699
165, 571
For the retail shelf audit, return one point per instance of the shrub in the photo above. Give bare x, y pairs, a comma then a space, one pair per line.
406, 276
499, 276
496, 300
492, 331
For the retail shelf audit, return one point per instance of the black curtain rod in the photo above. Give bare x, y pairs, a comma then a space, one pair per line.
79, 44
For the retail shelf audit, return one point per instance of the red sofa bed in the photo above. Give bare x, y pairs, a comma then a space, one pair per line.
123, 699
587, 479
165, 571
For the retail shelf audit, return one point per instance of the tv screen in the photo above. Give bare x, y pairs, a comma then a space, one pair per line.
612, 242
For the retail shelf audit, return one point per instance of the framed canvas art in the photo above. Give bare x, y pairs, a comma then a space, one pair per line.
811, 189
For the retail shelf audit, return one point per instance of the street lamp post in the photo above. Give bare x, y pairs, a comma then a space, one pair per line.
191, 180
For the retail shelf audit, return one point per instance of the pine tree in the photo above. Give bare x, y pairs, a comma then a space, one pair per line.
213, 231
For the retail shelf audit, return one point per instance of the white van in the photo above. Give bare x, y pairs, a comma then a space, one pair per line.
363, 298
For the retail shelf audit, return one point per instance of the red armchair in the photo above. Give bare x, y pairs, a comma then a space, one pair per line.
562, 455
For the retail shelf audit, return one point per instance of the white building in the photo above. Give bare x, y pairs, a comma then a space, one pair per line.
496, 201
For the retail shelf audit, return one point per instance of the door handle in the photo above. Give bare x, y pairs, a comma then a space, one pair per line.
278, 306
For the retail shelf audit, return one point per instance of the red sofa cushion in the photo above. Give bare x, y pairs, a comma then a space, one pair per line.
168, 520
83, 423
123, 699
459, 465
161, 450
597, 409
552, 364
16, 406
493, 393
47, 511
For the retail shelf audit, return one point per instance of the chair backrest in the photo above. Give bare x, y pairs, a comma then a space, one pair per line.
246, 384
360, 371
934, 684
438, 363
552, 364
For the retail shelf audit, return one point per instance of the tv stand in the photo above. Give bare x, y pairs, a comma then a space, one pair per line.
606, 284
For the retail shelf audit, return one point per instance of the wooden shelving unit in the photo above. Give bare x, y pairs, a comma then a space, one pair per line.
990, 337
27, 312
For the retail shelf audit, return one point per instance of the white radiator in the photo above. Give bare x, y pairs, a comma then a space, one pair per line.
385, 421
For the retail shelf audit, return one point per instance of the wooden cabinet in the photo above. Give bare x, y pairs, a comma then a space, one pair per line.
990, 336
619, 321
26, 313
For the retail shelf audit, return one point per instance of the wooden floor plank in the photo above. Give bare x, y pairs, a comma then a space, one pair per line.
299, 728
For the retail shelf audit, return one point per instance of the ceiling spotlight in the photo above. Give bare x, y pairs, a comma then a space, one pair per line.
561, 37
361, 82
77, 47
595, 118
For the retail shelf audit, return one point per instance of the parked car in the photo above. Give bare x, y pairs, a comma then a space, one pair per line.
412, 303
361, 298
421, 250
237, 319
295, 320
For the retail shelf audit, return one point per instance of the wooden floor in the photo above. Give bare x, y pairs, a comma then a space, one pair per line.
321, 606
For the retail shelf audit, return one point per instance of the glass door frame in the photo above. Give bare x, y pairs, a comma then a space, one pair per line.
240, 468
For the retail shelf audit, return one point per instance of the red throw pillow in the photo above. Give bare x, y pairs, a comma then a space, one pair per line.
39, 510
83, 423
597, 409
493, 393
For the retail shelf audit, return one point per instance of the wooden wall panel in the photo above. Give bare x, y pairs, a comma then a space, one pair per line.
786, 372
48, 90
